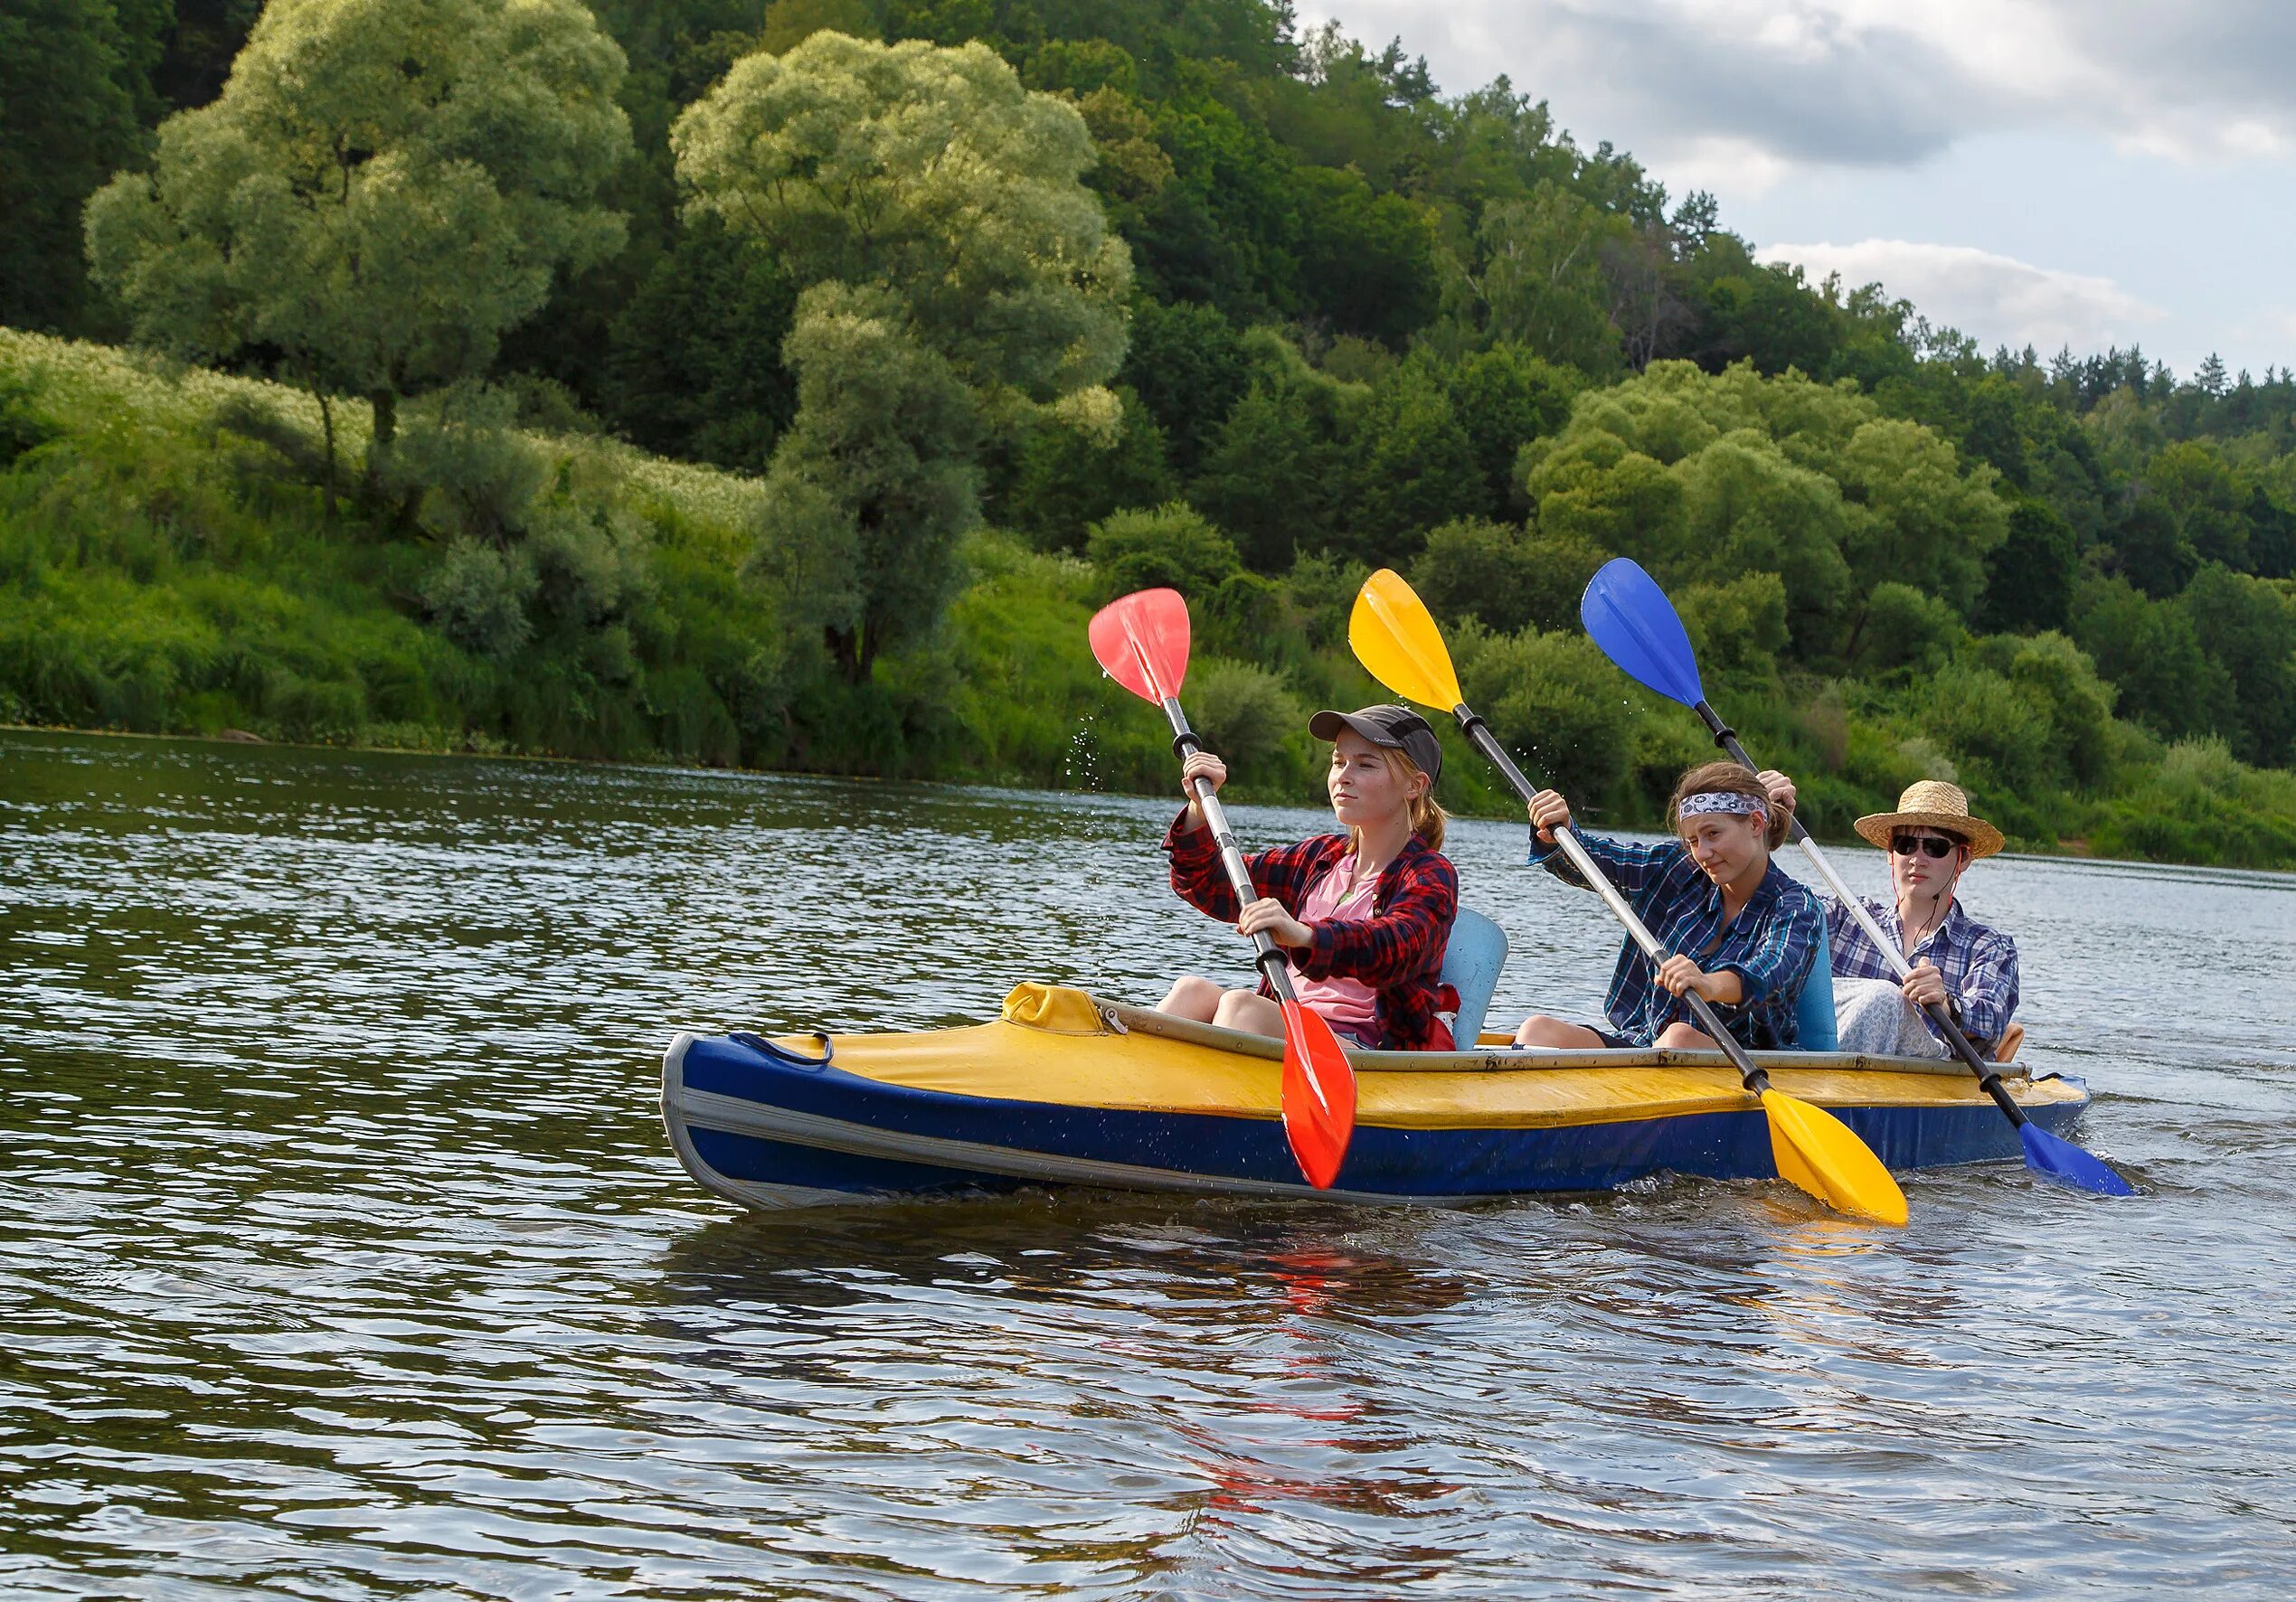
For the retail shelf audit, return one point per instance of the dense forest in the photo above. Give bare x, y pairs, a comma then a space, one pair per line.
783, 384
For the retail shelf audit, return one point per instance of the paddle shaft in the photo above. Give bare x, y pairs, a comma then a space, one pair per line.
1989, 1073
1472, 725
1272, 961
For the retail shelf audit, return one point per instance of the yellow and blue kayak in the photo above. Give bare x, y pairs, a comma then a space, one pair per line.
1063, 1088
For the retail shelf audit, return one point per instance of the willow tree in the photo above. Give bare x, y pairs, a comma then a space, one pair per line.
382, 190
955, 275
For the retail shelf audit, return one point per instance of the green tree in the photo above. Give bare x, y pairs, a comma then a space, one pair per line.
2030, 574
1916, 519
1746, 508
1419, 469
1593, 487
931, 210
2247, 627
1279, 471
1899, 630
1367, 261
1506, 397
384, 188
67, 118
1189, 366
1169, 546
2077, 703
693, 367
1069, 477
1542, 278
1503, 578
2152, 652
2206, 498
2150, 549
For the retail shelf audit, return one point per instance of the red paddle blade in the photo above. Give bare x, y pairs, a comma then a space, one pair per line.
1319, 1095
1142, 640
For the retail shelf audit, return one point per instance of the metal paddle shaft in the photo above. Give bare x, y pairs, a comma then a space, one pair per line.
1629, 616
1988, 1072
1395, 635
1271, 960
1471, 724
1141, 639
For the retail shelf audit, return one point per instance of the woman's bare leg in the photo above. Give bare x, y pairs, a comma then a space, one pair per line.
1539, 1030
1248, 1011
1192, 998
1682, 1037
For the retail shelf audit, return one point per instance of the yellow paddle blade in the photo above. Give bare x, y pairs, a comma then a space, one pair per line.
1817, 1151
1397, 641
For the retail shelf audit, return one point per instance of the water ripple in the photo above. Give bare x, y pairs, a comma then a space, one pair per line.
341, 1255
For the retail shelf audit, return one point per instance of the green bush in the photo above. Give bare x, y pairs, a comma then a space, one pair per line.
1244, 713
1503, 577
1558, 701
1986, 721
1173, 545
1903, 631
2202, 806
479, 595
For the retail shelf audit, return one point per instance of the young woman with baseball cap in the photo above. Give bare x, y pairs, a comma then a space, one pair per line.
1364, 914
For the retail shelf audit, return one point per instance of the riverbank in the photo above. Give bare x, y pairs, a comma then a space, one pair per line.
170, 564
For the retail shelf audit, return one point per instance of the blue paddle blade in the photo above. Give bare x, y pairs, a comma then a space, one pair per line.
1629, 616
2068, 1164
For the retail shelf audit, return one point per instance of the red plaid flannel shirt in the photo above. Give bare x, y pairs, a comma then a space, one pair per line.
1398, 951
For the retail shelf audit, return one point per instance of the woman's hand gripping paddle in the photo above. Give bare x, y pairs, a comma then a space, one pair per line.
1395, 637
1630, 616
1142, 640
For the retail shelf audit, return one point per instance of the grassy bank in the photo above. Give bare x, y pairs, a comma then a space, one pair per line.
169, 562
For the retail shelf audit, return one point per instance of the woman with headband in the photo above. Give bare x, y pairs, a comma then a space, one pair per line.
1741, 932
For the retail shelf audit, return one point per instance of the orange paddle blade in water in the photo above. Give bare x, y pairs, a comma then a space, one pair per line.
1319, 1095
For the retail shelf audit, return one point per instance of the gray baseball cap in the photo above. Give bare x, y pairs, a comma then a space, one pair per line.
1397, 727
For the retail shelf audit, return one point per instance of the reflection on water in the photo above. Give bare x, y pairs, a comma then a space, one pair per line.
341, 1254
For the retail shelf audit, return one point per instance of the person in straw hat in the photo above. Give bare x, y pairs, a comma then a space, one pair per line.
1969, 966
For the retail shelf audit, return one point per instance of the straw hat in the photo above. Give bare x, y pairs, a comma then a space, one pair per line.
1933, 804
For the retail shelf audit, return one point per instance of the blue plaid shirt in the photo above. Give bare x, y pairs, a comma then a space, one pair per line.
1769, 944
1978, 963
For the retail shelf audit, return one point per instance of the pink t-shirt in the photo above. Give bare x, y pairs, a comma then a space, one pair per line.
1349, 1003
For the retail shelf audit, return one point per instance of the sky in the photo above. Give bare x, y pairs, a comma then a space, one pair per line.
2081, 173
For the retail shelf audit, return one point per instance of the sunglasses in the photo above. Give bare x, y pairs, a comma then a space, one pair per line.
1929, 845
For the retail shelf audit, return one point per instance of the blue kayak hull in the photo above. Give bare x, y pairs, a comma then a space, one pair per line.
761, 1127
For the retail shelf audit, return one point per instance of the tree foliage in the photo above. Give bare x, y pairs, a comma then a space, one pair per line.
952, 268
67, 118
1372, 323
384, 188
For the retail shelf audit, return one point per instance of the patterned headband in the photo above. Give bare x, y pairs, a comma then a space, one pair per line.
1719, 801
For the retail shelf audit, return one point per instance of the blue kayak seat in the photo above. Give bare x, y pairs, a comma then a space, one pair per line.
1815, 1013
1471, 960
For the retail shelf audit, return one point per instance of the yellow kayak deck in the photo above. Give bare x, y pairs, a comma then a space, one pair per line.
1060, 1046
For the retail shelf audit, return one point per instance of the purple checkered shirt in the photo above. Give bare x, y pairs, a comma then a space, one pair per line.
1978, 962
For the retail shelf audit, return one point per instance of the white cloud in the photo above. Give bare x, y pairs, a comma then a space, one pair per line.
1995, 299
1873, 82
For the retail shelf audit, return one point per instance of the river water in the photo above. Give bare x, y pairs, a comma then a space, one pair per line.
342, 1253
